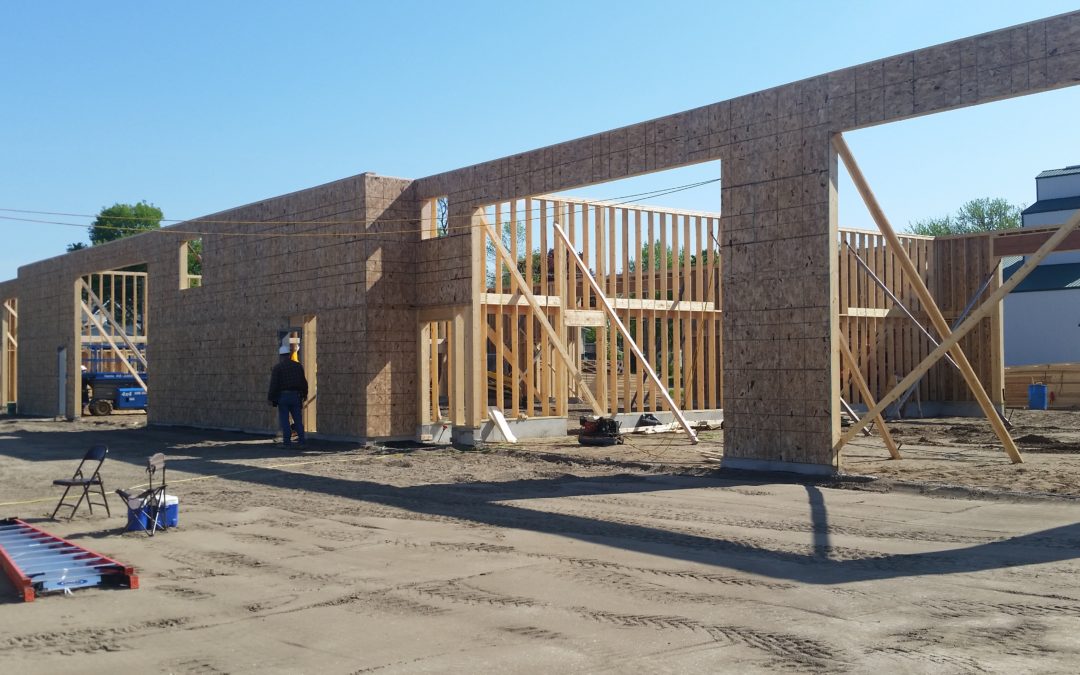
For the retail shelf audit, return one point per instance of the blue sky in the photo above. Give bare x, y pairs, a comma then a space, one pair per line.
201, 106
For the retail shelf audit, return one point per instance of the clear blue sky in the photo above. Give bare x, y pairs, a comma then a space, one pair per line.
200, 106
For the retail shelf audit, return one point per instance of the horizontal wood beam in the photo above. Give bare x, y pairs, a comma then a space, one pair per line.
1017, 242
512, 299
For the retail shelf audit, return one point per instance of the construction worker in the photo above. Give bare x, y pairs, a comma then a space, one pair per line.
288, 391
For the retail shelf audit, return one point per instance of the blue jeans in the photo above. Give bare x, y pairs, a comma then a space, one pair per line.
289, 404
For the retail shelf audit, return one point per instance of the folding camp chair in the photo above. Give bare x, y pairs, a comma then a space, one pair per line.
149, 505
85, 480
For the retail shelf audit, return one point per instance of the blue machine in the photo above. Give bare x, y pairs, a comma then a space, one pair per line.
105, 392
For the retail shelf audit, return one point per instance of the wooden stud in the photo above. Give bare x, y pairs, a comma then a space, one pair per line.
642, 337
530, 337
566, 295
699, 359
514, 329
613, 338
498, 310
627, 390
545, 289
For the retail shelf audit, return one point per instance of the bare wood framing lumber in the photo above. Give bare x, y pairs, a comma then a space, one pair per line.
864, 390
560, 347
923, 292
629, 340
1025, 242
97, 324
639, 379
989, 305
96, 303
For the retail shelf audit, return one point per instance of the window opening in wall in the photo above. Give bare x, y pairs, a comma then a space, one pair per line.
435, 214
191, 263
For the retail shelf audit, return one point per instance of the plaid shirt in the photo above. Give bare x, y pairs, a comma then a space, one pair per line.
288, 375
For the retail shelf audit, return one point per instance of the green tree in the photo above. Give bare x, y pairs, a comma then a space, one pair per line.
124, 220
119, 221
977, 215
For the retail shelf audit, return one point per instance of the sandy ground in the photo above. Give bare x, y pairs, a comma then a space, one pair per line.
555, 558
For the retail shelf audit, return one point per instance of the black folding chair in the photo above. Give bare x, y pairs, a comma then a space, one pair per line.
149, 505
85, 480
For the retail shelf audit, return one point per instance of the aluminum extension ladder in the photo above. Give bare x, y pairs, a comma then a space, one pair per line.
38, 562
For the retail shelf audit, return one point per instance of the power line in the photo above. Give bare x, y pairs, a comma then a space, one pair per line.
611, 201
382, 233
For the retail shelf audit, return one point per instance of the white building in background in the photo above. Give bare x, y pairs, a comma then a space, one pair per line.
1042, 314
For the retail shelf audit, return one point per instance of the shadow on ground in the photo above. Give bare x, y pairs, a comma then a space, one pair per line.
213, 453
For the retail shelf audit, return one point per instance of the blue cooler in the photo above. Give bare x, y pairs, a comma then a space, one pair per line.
167, 517
1037, 398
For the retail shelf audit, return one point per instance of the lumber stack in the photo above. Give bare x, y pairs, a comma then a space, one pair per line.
1062, 382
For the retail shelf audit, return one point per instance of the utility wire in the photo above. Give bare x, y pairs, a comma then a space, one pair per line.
627, 199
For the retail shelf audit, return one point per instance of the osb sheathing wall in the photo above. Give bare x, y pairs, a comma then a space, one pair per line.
779, 238
211, 347
779, 230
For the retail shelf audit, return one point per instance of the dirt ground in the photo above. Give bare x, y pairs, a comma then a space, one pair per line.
550, 557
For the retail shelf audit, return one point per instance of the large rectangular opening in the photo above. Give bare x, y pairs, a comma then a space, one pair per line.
660, 270
9, 353
113, 340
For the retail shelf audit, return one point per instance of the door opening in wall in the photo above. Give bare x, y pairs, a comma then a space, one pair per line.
9, 353
302, 335
114, 339
441, 372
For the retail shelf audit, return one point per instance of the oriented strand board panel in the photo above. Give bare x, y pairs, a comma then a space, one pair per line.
780, 270
337, 252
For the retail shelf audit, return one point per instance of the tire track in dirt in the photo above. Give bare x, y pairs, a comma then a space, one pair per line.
953, 609
216, 560
89, 640
186, 593
927, 658
270, 604
630, 585
701, 539
536, 633
193, 667
689, 575
456, 591
787, 647
791, 648
648, 511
